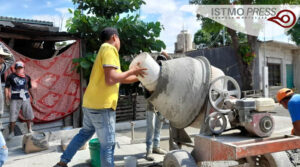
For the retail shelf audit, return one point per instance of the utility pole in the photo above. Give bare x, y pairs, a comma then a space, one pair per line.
224, 39
184, 45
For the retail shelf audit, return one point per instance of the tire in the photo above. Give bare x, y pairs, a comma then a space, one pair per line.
278, 159
179, 158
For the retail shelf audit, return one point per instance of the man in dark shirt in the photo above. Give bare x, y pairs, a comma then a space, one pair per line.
20, 84
154, 122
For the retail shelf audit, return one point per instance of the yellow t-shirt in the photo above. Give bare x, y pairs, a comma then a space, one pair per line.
98, 94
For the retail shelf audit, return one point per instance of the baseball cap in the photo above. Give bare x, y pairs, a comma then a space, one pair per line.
19, 64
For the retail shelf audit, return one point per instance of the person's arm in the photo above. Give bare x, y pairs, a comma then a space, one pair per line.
293, 108
30, 87
111, 63
6, 61
2, 65
7, 96
112, 76
130, 79
31, 94
296, 125
32, 97
166, 55
7, 87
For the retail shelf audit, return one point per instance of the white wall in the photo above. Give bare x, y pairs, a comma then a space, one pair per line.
277, 54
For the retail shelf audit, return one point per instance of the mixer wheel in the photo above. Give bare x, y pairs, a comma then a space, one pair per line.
217, 122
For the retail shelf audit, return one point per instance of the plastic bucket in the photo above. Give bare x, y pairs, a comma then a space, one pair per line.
130, 161
146, 61
94, 147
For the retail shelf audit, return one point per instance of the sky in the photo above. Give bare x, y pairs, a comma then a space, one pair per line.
174, 15
55, 11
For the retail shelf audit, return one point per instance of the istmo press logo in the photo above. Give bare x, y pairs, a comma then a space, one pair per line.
267, 20
284, 18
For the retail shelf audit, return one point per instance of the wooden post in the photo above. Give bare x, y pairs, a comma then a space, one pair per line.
78, 115
133, 99
68, 120
82, 81
11, 43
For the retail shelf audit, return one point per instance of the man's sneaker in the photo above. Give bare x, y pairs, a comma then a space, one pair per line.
61, 164
157, 150
149, 156
10, 136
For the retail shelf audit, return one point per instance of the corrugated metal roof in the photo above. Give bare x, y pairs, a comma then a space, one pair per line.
32, 30
28, 21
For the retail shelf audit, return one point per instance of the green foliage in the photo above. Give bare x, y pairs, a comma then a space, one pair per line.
211, 26
245, 52
92, 16
124, 64
209, 2
257, 2
108, 8
277, 2
85, 63
204, 39
136, 36
295, 33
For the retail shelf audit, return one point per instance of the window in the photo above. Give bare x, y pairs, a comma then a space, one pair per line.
274, 74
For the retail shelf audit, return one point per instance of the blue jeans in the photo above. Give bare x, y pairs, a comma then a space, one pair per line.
103, 123
154, 124
3, 150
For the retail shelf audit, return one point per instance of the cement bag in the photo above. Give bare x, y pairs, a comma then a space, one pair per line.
146, 61
35, 142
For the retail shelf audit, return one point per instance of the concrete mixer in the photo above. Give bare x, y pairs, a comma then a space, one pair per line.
180, 89
190, 92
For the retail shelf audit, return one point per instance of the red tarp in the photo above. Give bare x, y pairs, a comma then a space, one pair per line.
55, 86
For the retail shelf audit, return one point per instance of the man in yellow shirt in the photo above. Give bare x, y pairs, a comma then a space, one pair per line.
100, 100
